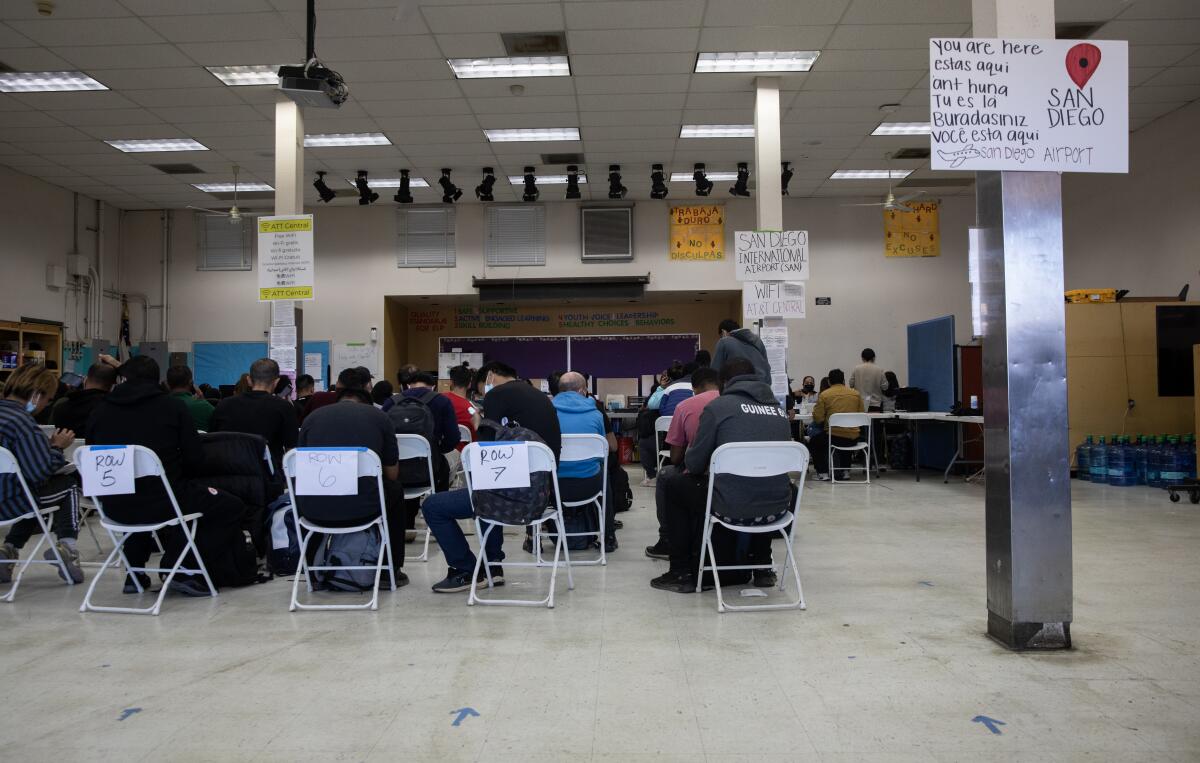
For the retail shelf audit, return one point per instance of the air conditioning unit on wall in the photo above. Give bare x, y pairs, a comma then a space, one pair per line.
606, 234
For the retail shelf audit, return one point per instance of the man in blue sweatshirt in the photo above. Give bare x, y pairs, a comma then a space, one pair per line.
577, 414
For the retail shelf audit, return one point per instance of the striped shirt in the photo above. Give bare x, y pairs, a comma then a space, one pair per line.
19, 433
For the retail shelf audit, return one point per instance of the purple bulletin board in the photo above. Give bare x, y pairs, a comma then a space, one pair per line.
631, 355
534, 357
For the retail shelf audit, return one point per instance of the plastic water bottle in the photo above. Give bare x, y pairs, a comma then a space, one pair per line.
1120, 463
1174, 470
1098, 464
1139, 460
1189, 453
1153, 472
1083, 457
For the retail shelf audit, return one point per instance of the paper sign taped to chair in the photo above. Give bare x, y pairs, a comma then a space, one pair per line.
107, 470
326, 472
500, 465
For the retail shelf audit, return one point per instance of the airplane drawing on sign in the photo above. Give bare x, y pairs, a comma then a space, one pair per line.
956, 158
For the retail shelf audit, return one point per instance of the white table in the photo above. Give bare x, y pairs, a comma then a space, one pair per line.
960, 441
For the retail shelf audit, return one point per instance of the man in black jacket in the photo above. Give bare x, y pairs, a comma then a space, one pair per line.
260, 412
72, 412
746, 411
139, 412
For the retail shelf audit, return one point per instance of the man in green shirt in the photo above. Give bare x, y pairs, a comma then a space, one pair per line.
179, 384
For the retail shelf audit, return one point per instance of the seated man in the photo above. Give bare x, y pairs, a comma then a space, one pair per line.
72, 411
349, 378
139, 412
179, 385
465, 412
354, 421
578, 414
746, 411
304, 390
419, 409
706, 386
27, 392
260, 412
837, 399
508, 402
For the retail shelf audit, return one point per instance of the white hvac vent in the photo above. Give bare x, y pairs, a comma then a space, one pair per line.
425, 237
607, 233
224, 244
515, 235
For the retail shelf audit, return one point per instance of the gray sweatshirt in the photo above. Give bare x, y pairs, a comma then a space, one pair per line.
746, 411
743, 343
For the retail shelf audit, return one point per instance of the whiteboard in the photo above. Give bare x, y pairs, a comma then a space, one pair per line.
353, 354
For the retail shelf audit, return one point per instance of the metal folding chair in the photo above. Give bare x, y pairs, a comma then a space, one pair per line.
850, 420
661, 425
582, 447
416, 446
146, 464
755, 459
368, 466
9, 465
541, 459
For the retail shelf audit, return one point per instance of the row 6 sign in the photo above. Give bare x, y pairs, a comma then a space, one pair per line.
771, 255
1032, 105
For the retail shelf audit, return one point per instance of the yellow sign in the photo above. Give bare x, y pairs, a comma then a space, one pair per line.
698, 232
285, 224
285, 292
912, 234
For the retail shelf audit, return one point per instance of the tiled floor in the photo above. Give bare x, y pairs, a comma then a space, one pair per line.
888, 663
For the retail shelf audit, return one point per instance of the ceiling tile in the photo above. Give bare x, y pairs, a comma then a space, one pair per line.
631, 132
632, 102
1164, 94
394, 19
419, 120
768, 13
88, 99
191, 7
91, 117
1161, 9
1139, 75
1153, 110
511, 121
477, 45
1156, 32
500, 87
244, 53
891, 36
836, 98
715, 116
188, 78
516, 105
716, 39
93, 57
525, 17
907, 11
11, 38
403, 108
202, 130
218, 27
33, 60
334, 50
27, 119
168, 98
1160, 55
633, 63
872, 60
317, 126
599, 118
356, 72
721, 101
1176, 75
634, 83
113, 31
387, 91
183, 114
634, 15
621, 42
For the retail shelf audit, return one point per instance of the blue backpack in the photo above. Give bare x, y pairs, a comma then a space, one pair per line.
283, 557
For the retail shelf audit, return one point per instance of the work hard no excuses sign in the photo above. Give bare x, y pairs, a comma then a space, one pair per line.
1035, 105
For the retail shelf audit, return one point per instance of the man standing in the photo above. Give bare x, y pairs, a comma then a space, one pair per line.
260, 412
179, 385
837, 399
746, 411
72, 412
741, 343
508, 402
870, 381
706, 386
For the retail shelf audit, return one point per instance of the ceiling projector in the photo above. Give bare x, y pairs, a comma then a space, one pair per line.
313, 85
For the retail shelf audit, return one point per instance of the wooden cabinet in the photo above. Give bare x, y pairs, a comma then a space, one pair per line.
22, 343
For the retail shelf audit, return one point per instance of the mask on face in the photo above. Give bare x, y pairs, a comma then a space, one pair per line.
488, 388
808, 388
31, 406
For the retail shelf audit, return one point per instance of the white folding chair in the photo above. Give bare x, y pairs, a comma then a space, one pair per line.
464, 434
416, 446
661, 425
368, 466
145, 464
582, 447
9, 465
541, 459
850, 420
755, 459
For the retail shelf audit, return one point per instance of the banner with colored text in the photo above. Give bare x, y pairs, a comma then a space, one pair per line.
698, 232
285, 258
914, 233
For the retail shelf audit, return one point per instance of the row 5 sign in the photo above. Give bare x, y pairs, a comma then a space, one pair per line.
1033, 105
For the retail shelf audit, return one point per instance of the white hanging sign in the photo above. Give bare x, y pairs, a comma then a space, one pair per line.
327, 471
772, 299
107, 470
500, 465
1034, 105
285, 258
771, 255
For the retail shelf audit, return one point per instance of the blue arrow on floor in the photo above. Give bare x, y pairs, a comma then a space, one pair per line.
463, 713
992, 724
128, 712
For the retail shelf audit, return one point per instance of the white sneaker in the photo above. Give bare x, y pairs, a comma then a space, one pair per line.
70, 557
648, 482
822, 477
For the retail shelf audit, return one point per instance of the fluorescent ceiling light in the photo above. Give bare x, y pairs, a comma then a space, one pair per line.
757, 61
870, 174
413, 182
522, 66
346, 139
47, 82
687, 177
156, 144
532, 134
230, 188
902, 128
546, 179
716, 131
236, 76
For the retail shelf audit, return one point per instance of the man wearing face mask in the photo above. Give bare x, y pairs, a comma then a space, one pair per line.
808, 391
26, 394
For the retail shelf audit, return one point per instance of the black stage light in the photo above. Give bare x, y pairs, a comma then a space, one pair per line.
531, 189
658, 184
704, 186
786, 177
365, 194
615, 189
450, 192
483, 191
743, 178
327, 193
573, 182
403, 194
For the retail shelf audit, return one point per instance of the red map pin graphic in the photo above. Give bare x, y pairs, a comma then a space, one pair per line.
1082, 62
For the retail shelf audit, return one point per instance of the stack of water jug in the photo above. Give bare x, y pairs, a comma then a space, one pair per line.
1161, 461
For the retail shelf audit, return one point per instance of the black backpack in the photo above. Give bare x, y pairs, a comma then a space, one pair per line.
514, 505
412, 415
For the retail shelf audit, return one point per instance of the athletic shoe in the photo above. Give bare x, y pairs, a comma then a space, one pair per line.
454, 582
675, 582
497, 576
401, 579
618, 524
765, 579
143, 578
822, 477
648, 482
190, 585
410, 536
659, 550
527, 544
70, 557
610, 544
8, 551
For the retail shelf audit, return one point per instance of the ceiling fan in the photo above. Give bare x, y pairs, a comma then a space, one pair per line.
233, 213
890, 203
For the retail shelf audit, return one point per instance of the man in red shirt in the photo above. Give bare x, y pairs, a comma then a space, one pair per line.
706, 387
464, 410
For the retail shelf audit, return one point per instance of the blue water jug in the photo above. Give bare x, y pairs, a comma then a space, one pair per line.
1083, 457
1139, 460
1098, 464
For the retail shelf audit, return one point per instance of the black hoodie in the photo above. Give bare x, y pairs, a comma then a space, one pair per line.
74, 410
743, 343
746, 411
140, 413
